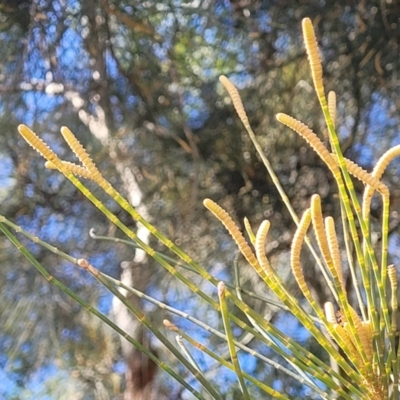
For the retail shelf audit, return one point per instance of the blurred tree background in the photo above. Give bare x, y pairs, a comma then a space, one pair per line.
137, 82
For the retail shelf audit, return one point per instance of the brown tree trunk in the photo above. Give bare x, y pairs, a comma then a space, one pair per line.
141, 371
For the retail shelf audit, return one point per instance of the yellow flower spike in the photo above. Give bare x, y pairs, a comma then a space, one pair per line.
234, 231
362, 175
334, 249
314, 141
385, 160
84, 157
318, 224
369, 336
377, 172
341, 332
78, 149
349, 334
368, 328
39, 145
363, 332
249, 230
319, 229
295, 253
53, 161
260, 247
313, 56
330, 312
332, 106
392, 275
342, 338
74, 168
236, 100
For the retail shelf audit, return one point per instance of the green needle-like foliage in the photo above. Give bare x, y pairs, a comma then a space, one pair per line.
360, 338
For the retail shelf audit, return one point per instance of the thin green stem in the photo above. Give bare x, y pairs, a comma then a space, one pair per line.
301, 353
150, 326
179, 263
208, 328
51, 279
187, 353
225, 363
230, 340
